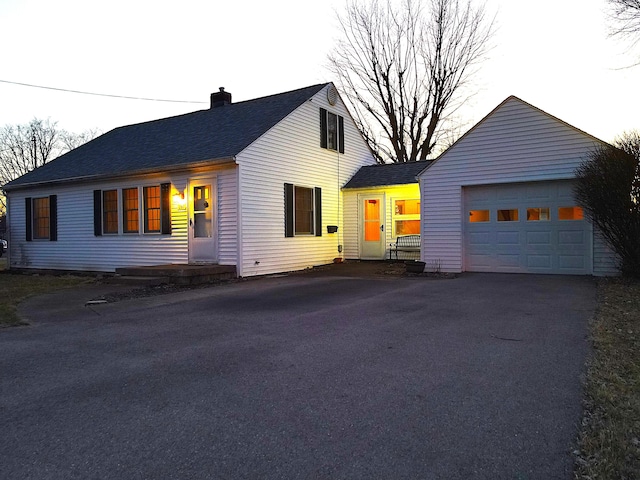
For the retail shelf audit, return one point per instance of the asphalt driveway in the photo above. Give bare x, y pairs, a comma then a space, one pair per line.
310, 377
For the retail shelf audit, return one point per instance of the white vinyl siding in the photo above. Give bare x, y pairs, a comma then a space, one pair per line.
78, 248
514, 143
350, 225
290, 153
227, 216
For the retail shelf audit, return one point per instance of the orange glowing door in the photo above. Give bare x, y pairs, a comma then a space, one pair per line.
372, 239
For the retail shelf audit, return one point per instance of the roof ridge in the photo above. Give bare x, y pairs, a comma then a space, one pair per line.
147, 122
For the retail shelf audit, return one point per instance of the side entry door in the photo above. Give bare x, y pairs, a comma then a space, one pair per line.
202, 221
372, 234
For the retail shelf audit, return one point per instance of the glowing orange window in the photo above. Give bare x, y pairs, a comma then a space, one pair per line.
570, 213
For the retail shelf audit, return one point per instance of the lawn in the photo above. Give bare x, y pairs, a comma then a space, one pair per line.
609, 444
15, 287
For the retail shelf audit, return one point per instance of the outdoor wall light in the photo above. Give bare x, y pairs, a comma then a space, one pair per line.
179, 201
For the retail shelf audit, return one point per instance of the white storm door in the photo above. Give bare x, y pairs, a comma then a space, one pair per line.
202, 221
372, 235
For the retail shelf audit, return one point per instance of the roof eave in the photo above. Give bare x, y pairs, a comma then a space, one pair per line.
142, 171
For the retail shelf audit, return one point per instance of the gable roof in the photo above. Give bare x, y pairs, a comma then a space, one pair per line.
387, 174
205, 135
511, 98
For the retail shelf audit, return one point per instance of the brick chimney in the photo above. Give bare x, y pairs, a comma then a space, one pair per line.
220, 99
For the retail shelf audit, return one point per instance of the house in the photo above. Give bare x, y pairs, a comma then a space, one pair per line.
381, 202
254, 184
501, 199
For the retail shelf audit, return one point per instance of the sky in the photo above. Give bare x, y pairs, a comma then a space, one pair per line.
554, 54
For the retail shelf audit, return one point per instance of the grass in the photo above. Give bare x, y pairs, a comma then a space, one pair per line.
609, 443
16, 287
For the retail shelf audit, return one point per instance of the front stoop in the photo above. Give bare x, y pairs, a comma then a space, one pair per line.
176, 274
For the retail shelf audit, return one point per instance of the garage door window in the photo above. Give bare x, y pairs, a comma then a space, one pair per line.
537, 214
478, 216
510, 215
570, 213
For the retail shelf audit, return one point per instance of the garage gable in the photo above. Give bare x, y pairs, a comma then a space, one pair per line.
516, 143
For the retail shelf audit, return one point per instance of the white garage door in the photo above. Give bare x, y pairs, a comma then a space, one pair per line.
526, 227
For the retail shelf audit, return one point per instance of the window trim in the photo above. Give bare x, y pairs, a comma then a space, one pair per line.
38, 214
573, 208
481, 216
125, 210
398, 217
289, 223
508, 220
146, 209
539, 211
52, 218
324, 131
104, 213
164, 208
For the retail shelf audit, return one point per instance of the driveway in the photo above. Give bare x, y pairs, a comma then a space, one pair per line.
310, 377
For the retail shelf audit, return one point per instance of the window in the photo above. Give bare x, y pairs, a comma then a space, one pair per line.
130, 218
303, 210
538, 214
406, 216
110, 211
152, 209
570, 213
510, 215
478, 216
41, 216
331, 131
156, 207
303, 219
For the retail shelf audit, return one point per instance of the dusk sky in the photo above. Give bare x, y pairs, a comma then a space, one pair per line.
554, 54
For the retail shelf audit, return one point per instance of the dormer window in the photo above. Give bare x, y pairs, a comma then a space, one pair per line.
331, 131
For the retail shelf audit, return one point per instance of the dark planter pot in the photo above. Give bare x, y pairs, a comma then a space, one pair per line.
415, 267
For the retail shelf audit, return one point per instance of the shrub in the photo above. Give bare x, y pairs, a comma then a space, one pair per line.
608, 189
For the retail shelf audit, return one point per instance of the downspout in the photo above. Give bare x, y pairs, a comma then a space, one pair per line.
239, 251
340, 220
7, 232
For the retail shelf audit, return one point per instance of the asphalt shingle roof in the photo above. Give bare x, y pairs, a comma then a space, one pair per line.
203, 135
387, 174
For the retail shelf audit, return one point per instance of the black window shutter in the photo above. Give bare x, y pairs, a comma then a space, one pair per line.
318, 211
97, 212
165, 202
288, 210
323, 128
53, 218
341, 134
28, 217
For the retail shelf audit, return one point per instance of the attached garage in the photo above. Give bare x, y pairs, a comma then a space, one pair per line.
501, 199
526, 228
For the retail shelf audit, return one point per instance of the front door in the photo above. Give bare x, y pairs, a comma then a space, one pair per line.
202, 221
372, 235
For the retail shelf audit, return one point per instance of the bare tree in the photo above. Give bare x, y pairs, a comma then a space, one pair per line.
29, 146
626, 17
403, 68
72, 140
